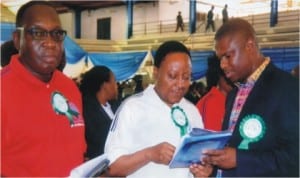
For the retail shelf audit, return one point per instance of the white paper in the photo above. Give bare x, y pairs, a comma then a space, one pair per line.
89, 168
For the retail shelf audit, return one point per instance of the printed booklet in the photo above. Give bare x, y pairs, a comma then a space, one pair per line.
192, 145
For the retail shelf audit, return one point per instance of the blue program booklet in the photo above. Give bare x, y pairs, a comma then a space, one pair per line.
192, 145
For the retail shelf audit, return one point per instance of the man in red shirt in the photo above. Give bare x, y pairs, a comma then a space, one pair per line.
42, 128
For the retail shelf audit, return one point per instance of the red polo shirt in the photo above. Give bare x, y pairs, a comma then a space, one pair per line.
35, 139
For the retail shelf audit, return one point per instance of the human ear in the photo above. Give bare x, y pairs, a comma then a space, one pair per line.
17, 37
155, 72
250, 44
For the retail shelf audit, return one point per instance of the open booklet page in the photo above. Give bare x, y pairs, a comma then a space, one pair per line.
192, 145
90, 168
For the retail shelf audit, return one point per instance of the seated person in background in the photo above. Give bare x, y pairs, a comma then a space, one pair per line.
99, 94
212, 105
145, 131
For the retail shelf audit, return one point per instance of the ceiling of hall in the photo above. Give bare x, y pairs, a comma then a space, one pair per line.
67, 5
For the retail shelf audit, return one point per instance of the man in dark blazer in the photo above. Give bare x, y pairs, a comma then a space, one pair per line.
262, 113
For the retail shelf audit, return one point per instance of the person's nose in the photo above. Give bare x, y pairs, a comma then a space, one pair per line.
181, 83
49, 41
223, 63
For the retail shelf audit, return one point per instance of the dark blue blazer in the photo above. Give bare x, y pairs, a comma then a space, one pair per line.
275, 98
97, 124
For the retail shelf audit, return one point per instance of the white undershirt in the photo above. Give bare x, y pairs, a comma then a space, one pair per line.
108, 110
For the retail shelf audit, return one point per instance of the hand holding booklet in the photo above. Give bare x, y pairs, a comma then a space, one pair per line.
194, 143
91, 168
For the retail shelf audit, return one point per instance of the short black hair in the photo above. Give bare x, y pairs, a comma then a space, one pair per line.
214, 71
169, 47
235, 26
23, 9
93, 80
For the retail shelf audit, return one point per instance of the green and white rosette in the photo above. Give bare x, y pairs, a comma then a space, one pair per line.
61, 106
252, 129
180, 119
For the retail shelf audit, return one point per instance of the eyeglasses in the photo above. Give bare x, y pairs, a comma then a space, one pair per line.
40, 34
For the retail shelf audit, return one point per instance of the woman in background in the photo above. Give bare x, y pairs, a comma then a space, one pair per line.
212, 105
99, 94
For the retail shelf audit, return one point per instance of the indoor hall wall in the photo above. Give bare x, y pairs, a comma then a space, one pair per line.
118, 22
68, 23
142, 12
168, 10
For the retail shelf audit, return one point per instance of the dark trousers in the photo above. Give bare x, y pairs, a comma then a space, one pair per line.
179, 26
210, 23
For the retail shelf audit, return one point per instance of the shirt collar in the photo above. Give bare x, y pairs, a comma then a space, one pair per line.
255, 75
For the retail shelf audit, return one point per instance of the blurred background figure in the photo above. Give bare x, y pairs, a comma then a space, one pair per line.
63, 62
7, 50
225, 14
99, 91
210, 20
138, 83
195, 92
212, 105
179, 22
295, 71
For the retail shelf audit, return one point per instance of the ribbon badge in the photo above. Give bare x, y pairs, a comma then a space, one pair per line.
180, 119
252, 129
61, 106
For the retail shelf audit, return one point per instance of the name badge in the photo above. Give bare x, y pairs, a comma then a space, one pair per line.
61, 106
180, 119
252, 129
